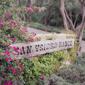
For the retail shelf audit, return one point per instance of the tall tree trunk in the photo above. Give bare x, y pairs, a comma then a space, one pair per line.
63, 14
28, 3
82, 27
79, 30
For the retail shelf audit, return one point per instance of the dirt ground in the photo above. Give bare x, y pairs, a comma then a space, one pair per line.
33, 30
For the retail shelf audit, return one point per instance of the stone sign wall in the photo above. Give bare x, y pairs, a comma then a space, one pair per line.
42, 47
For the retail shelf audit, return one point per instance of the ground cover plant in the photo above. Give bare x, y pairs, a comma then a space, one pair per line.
69, 75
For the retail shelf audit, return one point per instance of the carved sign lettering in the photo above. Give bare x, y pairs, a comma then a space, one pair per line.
42, 47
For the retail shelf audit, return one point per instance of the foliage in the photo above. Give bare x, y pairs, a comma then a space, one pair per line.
69, 75
42, 27
22, 71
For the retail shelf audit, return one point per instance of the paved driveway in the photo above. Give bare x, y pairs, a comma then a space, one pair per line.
33, 30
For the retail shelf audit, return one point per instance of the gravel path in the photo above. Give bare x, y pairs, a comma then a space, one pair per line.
37, 31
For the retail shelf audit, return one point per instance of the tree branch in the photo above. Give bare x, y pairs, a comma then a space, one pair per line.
70, 21
20, 3
81, 2
28, 3
63, 14
76, 20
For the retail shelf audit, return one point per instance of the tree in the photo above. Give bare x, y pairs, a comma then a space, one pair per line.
68, 20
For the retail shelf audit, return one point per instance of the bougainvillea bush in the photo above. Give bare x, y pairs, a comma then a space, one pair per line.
16, 71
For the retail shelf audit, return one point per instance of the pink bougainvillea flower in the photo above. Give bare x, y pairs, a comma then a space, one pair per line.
0, 34
62, 60
8, 37
13, 54
26, 7
1, 25
6, 58
30, 10
10, 59
31, 6
32, 40
9, 24
19, 25
20, 50
21, 31
56, 68
2, 72
1, 38
10, 66
39, 56
16, 75
13, 70
22, 69
9, 44
7, 15
17, 56
14, 39
42, 76
20, 75
14, 23
15, 49
18, 63
34, 35
35, 8
4, 54
29, 37
26, 10
11, 21
9, 81
5, 75
2, 21
36, 38
11, 27
26, 30
16, 11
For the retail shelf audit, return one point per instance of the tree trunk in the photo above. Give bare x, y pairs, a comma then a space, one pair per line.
79, 30
82, 27
63, 14
28, 3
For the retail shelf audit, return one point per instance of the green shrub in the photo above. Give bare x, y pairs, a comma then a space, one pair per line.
68, 75
43, 27
74, 73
